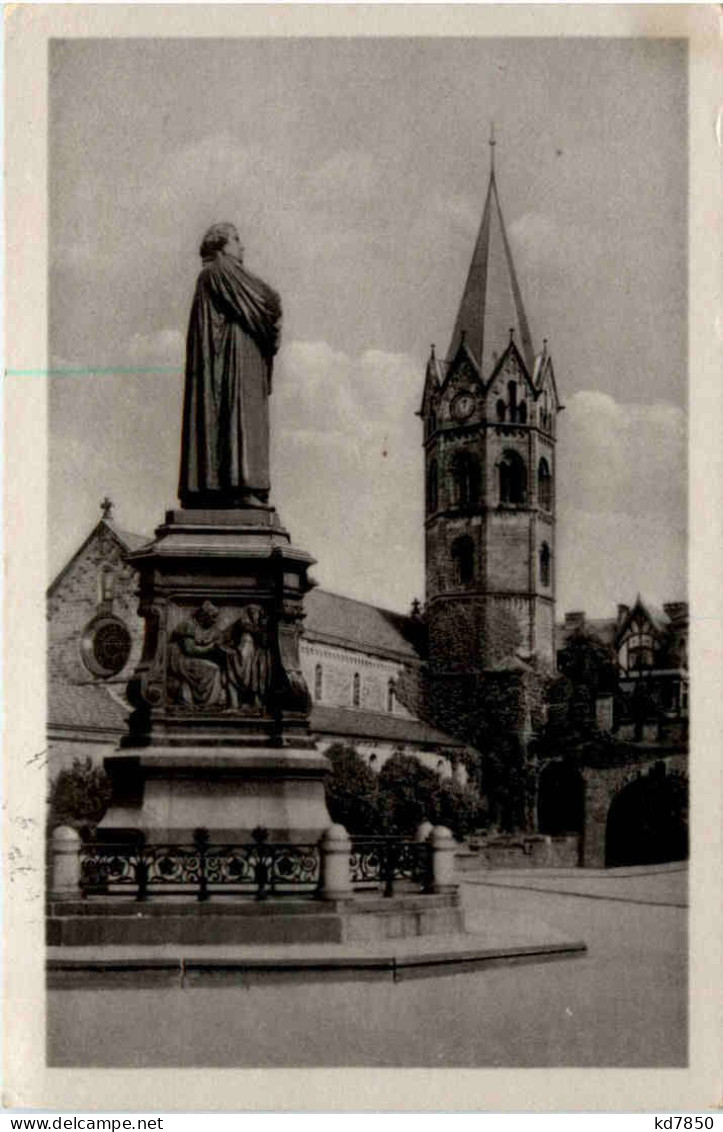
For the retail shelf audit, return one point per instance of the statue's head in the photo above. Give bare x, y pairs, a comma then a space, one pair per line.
222, 237
207, 614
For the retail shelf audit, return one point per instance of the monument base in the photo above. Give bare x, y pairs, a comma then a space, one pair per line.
102, 922
169, 792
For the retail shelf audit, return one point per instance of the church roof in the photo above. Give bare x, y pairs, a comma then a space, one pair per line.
343, 621
86, 708
372, 725
492, 302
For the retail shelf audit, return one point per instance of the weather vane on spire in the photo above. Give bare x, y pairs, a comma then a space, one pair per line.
492, 143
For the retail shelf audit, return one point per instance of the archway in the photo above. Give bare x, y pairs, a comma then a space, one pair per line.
560, 800
647, 822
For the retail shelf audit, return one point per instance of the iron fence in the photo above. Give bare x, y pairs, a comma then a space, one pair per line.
378, 862
262, 868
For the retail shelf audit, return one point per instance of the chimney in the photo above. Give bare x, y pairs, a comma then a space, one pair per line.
676, 610
623, 611
574, 620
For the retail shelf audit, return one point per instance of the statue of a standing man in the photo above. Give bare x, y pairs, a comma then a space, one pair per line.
233, 335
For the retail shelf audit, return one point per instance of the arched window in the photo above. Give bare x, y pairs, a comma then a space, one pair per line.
501, 410
356, 690
513, 478
512, 391
465, 472
106, 586
391, 693
373, 762
522, 413
463, 559
544, 485
432, 488
318, 683
545, 564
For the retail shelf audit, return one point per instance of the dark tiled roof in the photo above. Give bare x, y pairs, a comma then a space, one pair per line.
372, 725
85, 707
355, 624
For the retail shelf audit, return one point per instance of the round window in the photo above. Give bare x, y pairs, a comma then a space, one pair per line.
106, 646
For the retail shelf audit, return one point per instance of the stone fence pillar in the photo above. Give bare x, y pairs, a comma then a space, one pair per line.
335, 847
443, 851
65, 846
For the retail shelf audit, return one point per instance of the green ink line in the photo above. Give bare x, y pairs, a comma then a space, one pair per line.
88, 371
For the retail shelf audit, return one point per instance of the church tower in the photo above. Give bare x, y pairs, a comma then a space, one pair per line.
489, 413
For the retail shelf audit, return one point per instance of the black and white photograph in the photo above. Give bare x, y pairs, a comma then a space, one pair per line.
366, 580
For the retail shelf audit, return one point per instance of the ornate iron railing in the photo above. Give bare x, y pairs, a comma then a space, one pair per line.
377, 862
262, 868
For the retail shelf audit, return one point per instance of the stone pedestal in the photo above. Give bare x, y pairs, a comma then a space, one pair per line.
219, 733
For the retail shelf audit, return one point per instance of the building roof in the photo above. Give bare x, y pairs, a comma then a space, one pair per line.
86, 708
492, 302
347, 623
372, 725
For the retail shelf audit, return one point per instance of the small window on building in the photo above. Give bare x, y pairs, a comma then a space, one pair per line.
356, 690
513, 478
463, 560
432, 487
106, 586
512, 392
318, 683
501, 410
391, 693
522, 413
373, 762
544, 485
440, 767
545, 564
465, 472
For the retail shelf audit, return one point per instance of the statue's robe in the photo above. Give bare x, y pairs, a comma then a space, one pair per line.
233, 335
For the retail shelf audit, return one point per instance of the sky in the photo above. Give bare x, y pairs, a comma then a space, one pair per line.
356, 172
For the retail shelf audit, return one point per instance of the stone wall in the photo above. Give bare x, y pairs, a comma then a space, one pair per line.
602, 784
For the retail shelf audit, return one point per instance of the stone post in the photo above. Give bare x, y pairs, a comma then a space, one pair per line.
423, 832
335, 847
65, 845
443, 851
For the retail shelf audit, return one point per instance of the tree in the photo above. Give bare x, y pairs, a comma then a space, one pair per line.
410, 793
79, 797
352, 791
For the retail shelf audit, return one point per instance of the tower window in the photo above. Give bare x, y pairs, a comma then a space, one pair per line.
512, 391
545, 564
432, 487
391, 691
544, 485
465, 472
501, 410
513, 478
522, 413
318, 683
356, 690
463, 559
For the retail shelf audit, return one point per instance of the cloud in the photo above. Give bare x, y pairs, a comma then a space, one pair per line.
347, 467
622, 502
346, 174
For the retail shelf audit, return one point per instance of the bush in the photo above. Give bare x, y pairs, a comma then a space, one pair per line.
352, 791
410, 794
79, 797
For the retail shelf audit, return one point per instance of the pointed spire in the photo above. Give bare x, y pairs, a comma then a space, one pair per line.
492, 301
493, 143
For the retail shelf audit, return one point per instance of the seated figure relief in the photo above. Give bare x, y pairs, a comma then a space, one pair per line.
227, 668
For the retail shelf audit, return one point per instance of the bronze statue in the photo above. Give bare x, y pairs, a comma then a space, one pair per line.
233, 335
